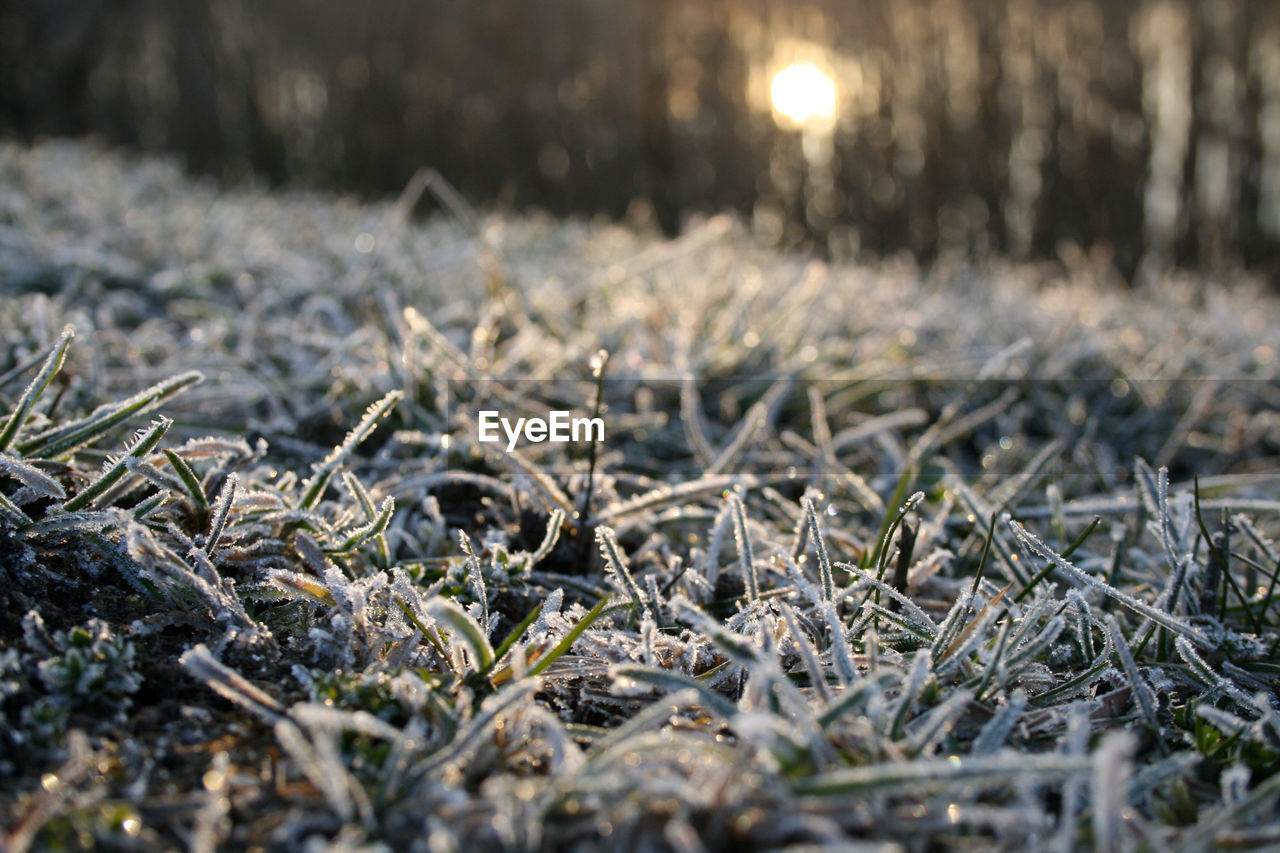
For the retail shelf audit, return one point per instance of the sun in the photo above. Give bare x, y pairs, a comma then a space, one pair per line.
803, 95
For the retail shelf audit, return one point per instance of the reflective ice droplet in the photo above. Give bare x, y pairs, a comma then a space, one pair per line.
831, 510
598, 361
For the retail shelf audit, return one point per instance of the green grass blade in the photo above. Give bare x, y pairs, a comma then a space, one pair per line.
373, 529
674, 682
916, 775
144, 444
468, 630
824, 559
11, 511
323, 470
608, 544
554, 524
195, 490
48, 370
1089, 581
1224, 567
872, 557
512, 638
745, 557
31, 477
986, 552
1044, 573
221, 509
373, 517
570, 638
63, 440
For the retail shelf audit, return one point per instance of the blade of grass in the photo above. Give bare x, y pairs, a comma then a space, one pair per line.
882, 557
308, 586
13, 512
598, 363
554, 523
323, 470
870, 556
1071, 549
570, 638
608, 543
142, 445
852, 695
512, 639
50, 368
1223, 567
221, 509
61, 441
195, 490
447, 610
979, 621
674, 682
745, 557
906, 549
986, 551
31, 477
820, 547
915, 775
1140, 607
1141, 690
373, 529
417, 623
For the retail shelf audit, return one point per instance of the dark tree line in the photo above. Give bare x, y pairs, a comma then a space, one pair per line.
1147, 129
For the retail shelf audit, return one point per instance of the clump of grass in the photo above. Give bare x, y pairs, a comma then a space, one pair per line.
919, 589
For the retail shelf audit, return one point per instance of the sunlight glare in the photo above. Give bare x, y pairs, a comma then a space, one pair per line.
803, 94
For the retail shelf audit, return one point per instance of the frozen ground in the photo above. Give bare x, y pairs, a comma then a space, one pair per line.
868, 555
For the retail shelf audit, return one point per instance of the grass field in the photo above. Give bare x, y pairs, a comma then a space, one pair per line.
979, 557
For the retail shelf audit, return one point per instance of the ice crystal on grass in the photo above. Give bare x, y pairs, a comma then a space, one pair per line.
839, 586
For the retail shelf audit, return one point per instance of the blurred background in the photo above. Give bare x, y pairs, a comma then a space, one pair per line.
1135, 133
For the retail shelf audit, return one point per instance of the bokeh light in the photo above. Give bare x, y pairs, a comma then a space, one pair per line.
803, 95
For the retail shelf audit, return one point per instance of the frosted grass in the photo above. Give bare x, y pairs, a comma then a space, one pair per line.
427, 643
